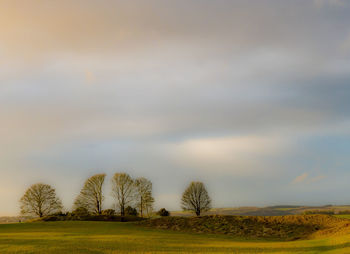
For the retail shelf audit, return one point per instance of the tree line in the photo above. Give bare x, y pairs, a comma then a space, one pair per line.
132, 196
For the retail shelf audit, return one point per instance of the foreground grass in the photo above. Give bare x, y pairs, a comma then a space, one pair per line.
116, 237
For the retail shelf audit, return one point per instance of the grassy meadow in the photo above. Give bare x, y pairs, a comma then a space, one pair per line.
118, 237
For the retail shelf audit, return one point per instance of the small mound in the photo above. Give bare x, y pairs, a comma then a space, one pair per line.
290, 227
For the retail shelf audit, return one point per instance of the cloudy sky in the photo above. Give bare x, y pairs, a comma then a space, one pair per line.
250, 97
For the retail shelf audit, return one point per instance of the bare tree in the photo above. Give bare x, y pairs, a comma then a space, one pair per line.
196, 198
123, 190
91, 196
40, 200
144, 195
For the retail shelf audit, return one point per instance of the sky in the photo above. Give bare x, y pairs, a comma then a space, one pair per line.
250, 97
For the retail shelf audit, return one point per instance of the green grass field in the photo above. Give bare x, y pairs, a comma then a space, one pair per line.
117, 237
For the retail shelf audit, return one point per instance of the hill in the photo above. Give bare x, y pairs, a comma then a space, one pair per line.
270, 210
291, 227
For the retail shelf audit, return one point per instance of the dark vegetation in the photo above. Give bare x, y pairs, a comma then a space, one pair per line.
105, 216
291, 227
108, 212
163, 212
130, 211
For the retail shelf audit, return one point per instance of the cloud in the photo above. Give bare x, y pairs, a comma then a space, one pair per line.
318, 178
224, 93
241, 155
301, 178
306, 178
115, 28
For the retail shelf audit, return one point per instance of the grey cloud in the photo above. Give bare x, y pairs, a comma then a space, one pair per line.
164, 73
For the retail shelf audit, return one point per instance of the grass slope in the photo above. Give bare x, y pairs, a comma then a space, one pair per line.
291, 227
117, 237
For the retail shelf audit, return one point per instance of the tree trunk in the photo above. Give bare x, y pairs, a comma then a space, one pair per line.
141, 207
122, 211
98, 208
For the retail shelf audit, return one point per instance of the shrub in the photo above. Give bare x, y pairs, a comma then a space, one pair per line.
59, 214
80, 211
163, 212
108, 212
89, 218
130, 211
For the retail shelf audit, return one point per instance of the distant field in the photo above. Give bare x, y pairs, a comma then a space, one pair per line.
12, 219
117, 237
268, 211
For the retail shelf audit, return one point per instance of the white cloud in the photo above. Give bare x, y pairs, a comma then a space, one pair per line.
241, 155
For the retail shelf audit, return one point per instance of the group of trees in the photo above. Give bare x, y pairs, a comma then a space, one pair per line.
131, 196
126, 191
